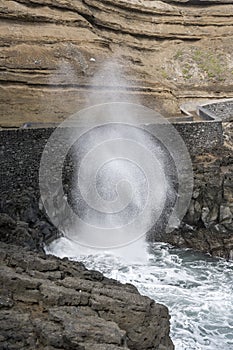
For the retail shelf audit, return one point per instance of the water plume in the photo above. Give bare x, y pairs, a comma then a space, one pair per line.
126, 175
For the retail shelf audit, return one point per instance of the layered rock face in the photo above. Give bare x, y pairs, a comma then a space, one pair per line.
48, 303
169, 52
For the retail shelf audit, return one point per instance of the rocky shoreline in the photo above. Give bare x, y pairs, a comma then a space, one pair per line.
51, 50
51, 303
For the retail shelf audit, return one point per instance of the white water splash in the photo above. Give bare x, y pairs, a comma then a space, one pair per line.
63, 247
196, 288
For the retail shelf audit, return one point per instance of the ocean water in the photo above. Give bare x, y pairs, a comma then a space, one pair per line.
196, 288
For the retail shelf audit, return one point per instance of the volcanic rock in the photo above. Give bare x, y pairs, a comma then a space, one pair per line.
49, 303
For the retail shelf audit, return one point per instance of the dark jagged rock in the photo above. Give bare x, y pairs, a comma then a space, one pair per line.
49, 303
18, 232
216, 240
23, 223
208, 224
22, 205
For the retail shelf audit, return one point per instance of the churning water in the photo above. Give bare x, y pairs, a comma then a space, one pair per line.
197, 289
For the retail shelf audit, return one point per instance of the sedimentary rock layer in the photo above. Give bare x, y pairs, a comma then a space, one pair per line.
168, 52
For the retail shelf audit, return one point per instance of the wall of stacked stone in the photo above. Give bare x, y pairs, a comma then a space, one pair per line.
21, 149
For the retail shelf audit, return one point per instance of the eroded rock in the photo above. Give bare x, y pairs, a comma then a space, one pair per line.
169, 52
57, 307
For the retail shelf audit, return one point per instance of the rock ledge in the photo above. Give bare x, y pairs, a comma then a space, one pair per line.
49, 303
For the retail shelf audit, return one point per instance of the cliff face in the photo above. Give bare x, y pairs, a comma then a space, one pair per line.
169, 52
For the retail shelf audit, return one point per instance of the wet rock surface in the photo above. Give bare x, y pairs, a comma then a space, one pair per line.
49, 303
216, 240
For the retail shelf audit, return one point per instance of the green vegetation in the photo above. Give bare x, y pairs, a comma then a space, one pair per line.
186, 71
178, 54
164, 73
210, 62
206, 63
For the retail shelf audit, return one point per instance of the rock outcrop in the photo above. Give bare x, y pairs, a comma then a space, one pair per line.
48, 303
22, 222
208, 224
169, 52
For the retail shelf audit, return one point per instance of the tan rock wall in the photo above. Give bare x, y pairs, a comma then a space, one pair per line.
169, 53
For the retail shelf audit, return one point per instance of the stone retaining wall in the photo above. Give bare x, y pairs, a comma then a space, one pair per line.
21, 150
212, 202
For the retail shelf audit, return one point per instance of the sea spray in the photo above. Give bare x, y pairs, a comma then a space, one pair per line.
196, 288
